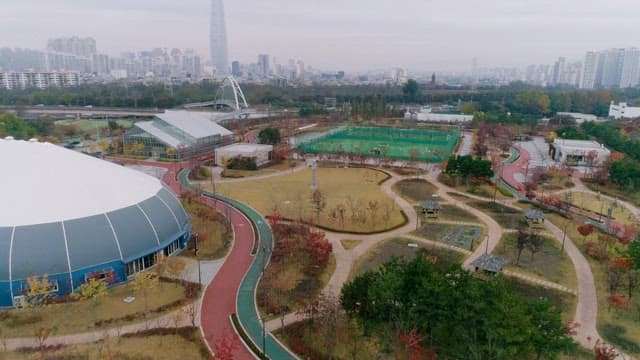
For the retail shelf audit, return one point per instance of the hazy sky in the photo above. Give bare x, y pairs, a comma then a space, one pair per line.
340, 34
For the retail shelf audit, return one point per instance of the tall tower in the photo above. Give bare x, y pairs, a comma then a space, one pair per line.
219, 49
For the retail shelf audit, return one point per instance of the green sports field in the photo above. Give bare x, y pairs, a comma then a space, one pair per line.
401, 144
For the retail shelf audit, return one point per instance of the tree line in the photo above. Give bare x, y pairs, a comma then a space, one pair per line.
455, 314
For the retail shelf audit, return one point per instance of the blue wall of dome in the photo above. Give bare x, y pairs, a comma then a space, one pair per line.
70, 251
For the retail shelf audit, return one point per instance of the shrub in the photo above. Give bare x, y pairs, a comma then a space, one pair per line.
242, 163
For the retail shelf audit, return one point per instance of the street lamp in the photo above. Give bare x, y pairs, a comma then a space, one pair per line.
197, 260
264, 267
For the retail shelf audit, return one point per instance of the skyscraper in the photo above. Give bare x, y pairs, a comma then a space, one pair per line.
219, 55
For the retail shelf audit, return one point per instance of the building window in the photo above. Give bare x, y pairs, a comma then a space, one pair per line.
141, 264
172, 248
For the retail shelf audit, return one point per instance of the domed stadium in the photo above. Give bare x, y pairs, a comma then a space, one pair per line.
73, 217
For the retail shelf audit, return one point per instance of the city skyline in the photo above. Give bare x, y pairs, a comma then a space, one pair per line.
357, 35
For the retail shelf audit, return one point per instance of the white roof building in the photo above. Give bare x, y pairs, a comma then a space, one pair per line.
426, 114
578, 152
185, 131
70, 215
623, 111
261, 153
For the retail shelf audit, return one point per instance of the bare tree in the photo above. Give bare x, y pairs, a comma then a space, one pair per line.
373, 207
319, 203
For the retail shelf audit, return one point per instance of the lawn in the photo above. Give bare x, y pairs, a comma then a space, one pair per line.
385, 251
464, 237
506, 216
616, 191
185, 343
483, 190
214, 232
350, 244
454, 213
590, 202
366, 208
91, 315
619, 328
548, 263
415, 190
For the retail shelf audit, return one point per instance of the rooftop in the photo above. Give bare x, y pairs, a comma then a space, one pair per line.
195, 124
534, 214
580, 144
488, 262
245, 148
43, 183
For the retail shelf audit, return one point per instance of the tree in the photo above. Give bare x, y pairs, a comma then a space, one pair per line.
522, 241
319, 203
551, 337
41, 335
535, 244
144, 282
460, 315
175, 267
585, 230
411, 91
269, 136
39, 291
91, 290
634, 253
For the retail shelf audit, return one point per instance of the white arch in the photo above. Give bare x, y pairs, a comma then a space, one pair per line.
239, 101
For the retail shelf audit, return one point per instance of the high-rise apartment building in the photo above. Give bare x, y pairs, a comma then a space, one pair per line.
219, 47
590, 70
612, 68
73, 45
235, 69
630, 75
264, 67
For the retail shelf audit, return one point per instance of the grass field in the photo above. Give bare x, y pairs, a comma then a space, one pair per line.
401, 144
77, 317
391, 248
187, 344
549, 263
415, 190
350, 244
590, 202
353, 189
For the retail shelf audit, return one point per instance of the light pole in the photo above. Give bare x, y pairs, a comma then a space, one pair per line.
264, 332
197, 260
564, 233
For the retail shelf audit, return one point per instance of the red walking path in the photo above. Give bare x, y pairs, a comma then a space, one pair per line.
219, 300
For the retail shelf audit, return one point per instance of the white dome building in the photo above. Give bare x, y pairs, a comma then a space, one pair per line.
74, 217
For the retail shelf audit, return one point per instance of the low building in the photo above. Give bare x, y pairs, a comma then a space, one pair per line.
260, 153
177, 135
426, 114
579, 117
578, 152
622, 110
